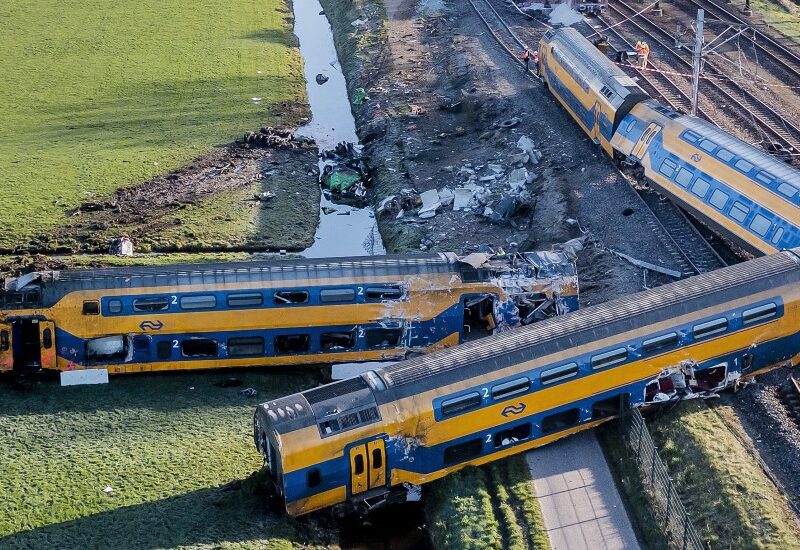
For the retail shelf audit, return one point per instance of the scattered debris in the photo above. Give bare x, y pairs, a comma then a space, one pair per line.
266, 196
360, 22
121, 247
108, 490
275, 138
647, 265
360, 96
430, 204
248, 392
322, 78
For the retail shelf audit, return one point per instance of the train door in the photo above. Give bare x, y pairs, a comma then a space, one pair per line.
367, 466
596, 132
645, 139
6, 349
478, 317
47, 340
26, 345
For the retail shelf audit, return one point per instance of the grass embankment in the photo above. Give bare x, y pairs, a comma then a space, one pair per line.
727, 496
165, 444
492, 507
784, 15
101, 95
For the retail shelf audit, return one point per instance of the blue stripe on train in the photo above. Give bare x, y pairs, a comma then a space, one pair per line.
420, 334
585, 115
406, 454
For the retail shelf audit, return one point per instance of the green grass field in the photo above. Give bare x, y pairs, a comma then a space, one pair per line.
165, 444
99, 95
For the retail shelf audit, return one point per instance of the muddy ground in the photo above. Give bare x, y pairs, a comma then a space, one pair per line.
446, 101
215, 203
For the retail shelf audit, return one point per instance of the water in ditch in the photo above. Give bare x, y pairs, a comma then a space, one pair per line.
343, 230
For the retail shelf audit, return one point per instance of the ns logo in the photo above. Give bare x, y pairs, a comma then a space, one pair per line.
513, 410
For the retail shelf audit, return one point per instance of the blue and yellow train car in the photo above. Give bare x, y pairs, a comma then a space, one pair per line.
594, 91
368, 440
740, 191
279, 312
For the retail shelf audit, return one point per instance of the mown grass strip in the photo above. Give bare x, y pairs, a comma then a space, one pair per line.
99, 95
729, 499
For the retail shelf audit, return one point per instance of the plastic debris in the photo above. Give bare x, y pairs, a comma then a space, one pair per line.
360, 96
248, 392
322, 78
108, 490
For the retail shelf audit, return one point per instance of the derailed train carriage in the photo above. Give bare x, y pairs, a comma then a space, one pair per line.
738, 190
278, 312
372, 439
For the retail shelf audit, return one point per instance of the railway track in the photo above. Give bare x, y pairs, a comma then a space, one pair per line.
672, 94
689, 250
782, 134
763, 43
790, 395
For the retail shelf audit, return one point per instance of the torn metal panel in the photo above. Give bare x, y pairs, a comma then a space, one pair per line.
687, 381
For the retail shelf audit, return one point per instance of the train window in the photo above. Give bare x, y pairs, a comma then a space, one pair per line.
329, 426
707, 145
612, 406
710, 328
164, 349
107, 349
199, 347
463, 451
291, 297
559, 421
250, 345
608, 358
91, 307
667, 168
765, 177
760, 225
739, 211
786, 189
384, 293
724, 155
250, 299
330, 295
660, 342
47, 338
292, 343
759, 313
683, 177
383, 337
151, 304
114, 306
512, 435
719, 199
358, 464
743, 165
700, 188
377, 459
690, 136
5, 341
777, 236
345, 339
559, 373
512, 387
313, 478
207, 301
460, 403
630, 126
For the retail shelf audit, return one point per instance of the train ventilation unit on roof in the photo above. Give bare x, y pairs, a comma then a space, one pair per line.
334, 390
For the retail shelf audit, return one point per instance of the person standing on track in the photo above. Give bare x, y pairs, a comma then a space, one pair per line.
536, 61
645, 53
526, 57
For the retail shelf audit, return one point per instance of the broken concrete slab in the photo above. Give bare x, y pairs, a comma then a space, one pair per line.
517, 179
462, 198
446, 196
430, 203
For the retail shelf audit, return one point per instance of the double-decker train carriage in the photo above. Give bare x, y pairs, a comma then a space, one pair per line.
588, 7
368, 440
736, 189
279, 312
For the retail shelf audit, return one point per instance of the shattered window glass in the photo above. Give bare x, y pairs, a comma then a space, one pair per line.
151, 304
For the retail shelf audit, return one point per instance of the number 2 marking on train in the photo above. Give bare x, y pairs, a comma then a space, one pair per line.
361, 291
174, 300
360, 332
485, 392
488, 438
175, 344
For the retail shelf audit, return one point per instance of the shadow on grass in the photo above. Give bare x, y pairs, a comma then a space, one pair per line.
157, 392
211, 517
273, 36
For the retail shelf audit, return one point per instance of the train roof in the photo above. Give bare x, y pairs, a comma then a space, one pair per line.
755, 156
502, 350
207, 273
578, 46
499, 351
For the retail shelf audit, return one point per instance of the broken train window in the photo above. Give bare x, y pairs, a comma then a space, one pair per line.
383, 337
291, 297
108, 349
478, 316
338, 340
384, 293
199, 347
292, 343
